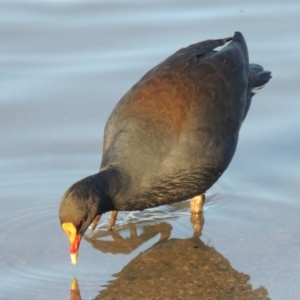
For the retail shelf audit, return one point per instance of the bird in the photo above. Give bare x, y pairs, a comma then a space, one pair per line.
170, 137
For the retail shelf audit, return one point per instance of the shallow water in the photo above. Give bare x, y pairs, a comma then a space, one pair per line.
64, 65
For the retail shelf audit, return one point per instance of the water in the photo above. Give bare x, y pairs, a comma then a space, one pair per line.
64, 65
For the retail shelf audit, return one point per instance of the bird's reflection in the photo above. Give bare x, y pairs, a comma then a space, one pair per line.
74, 290
172, 268
126, 245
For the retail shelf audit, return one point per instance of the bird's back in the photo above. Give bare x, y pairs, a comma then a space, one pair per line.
176, 130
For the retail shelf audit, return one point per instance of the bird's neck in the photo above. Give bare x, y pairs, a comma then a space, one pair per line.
108, 184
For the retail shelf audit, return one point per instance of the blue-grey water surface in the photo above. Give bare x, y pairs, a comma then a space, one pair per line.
65, 64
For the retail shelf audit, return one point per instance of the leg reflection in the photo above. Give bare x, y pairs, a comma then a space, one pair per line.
197, 221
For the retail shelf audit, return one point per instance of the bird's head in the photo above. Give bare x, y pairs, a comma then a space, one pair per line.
79, 206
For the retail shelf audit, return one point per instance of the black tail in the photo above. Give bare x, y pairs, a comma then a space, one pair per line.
258, 78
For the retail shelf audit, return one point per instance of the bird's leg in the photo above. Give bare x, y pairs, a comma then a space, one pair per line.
112, 219
95, 222
197, 203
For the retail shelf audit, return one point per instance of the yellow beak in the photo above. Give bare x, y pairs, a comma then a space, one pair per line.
74, 240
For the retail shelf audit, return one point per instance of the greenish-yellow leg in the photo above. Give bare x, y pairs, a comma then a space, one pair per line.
197, 203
